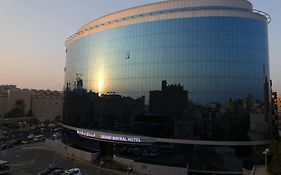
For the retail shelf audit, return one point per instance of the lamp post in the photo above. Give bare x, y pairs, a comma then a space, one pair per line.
266, 151
101, 162
129, 169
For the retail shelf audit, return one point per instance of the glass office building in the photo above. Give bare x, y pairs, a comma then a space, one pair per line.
189, 70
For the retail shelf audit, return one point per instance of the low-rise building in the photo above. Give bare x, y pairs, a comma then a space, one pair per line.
3, 103
42, 104
279, 110
48, 106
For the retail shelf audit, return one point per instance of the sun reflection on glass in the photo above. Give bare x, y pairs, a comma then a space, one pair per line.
100, 85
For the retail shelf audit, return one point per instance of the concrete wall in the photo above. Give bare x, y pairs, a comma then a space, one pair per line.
71, 152
150, 169
43, 106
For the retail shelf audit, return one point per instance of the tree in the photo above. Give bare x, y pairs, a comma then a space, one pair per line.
274, 166
17, 111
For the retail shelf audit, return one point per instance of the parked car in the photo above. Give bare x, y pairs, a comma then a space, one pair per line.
39, 138
51, 125
2, 137
6, 146
25, 141
57, 172
15, 142
50, 170
57, 129
56, 135
30, 136
74, 171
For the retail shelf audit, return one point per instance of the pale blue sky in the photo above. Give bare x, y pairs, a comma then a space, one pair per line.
32, 35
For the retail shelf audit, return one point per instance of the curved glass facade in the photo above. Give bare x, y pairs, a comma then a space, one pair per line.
216, 59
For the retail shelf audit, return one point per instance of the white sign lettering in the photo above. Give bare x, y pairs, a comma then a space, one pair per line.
85, 133
121, 138
109, 137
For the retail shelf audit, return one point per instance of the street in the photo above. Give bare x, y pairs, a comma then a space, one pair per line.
32, 160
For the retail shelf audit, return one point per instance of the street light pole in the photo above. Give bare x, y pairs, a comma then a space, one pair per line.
101, 162
129, 169
266, 151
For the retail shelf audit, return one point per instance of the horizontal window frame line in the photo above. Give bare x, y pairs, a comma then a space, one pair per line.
163, 12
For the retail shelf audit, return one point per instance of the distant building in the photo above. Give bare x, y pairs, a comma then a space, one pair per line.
279, 104
43, 104
171, 100
108, 111
4, 97
4, 88
274, 111
279, 110
15, 95
3, 103
154, 125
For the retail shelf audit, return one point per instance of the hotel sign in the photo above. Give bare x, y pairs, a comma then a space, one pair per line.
121, 138
109, 137
86, 133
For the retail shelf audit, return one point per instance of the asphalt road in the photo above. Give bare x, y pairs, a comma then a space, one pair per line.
32, 160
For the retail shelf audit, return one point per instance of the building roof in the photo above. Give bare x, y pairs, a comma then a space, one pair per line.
171, 9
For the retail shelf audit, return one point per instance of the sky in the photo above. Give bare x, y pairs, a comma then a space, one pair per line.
33, 32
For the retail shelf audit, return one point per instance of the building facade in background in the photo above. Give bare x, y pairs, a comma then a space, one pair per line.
43, 104
279, 104
196, 70
279, 111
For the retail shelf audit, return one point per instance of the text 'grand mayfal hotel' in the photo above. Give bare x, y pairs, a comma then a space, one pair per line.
175, 84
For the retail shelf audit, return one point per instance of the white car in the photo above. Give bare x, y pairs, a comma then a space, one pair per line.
51, 125
74, 171
56, 135
39, 138
30, 136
